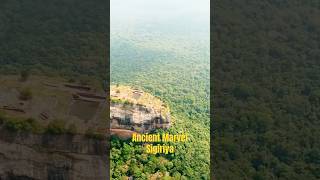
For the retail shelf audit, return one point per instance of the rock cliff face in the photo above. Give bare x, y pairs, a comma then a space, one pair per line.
35, 156
135, 110
60, 157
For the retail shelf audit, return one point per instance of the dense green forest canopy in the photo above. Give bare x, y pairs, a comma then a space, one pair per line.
54, 37
181, 79
168, 58
266, 87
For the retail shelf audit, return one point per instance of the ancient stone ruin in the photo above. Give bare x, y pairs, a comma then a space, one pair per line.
135, 110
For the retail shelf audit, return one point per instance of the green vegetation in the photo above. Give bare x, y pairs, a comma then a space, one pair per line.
72, 129
178, 74
25, 94
55, 38
24, 75
56, 127
120, 101
19, 124
91, 133
266, 78
139, 165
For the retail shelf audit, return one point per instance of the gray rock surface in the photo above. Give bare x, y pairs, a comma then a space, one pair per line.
137, 118
53, 157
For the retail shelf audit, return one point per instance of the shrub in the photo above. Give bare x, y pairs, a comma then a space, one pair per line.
2, 118
24, 75
56, 127
71, 80
90, 133
24, 125
25, 94
12, 125
34, 125
72, 129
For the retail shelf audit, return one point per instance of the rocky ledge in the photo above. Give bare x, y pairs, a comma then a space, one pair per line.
25, 156
135, 110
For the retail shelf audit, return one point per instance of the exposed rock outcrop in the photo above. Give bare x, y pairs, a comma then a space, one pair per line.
35, 156
135, 110
53, 157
